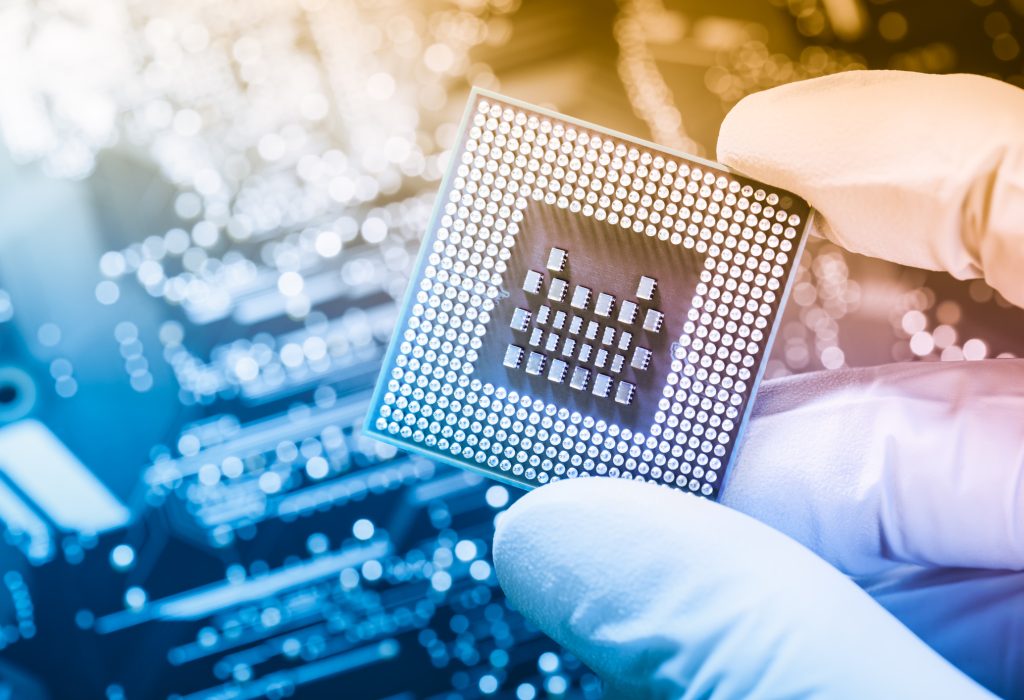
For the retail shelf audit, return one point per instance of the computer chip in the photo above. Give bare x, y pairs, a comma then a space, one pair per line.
641, 358
645, 290
532, 282
556, 290
617, 362
676, 263
535, 363
580, 297
627, 312
653, 319
580, 376
624, 394
604, 304
513, 356
558, 370
520, 319
543, 313
556, 260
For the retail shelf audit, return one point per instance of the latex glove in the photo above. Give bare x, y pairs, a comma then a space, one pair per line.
923, 170
907, 478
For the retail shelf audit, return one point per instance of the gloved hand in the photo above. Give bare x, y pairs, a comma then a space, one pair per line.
869, 542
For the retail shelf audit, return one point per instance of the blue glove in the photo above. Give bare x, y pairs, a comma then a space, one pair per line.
869, 542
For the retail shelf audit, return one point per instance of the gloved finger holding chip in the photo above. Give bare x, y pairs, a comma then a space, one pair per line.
907, 478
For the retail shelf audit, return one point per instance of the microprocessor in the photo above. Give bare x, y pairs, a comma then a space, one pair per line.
586, 303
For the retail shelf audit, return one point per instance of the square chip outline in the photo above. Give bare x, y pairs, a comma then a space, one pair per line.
477, 407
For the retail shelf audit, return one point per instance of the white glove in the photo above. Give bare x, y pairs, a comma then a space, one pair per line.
907, 478
923, 170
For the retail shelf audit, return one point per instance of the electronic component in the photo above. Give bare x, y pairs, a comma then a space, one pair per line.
602, 385
580, 376
645, 290
556, 291
513, 356
653, 319
271, 546
558, 370
641, 358
556, 260
532, 282
710, 272
624, 393
535, 363
580, 297
627, 312
520, 319
617, 362
543, 314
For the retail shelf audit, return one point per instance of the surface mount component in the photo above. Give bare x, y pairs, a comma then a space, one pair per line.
671, 270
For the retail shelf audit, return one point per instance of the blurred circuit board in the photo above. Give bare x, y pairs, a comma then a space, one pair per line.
209, 211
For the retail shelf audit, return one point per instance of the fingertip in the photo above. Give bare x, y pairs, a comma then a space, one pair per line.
531, 551
735, 144
577, 558
542, 537
790, 134
765, 134
903, 166
570, 530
